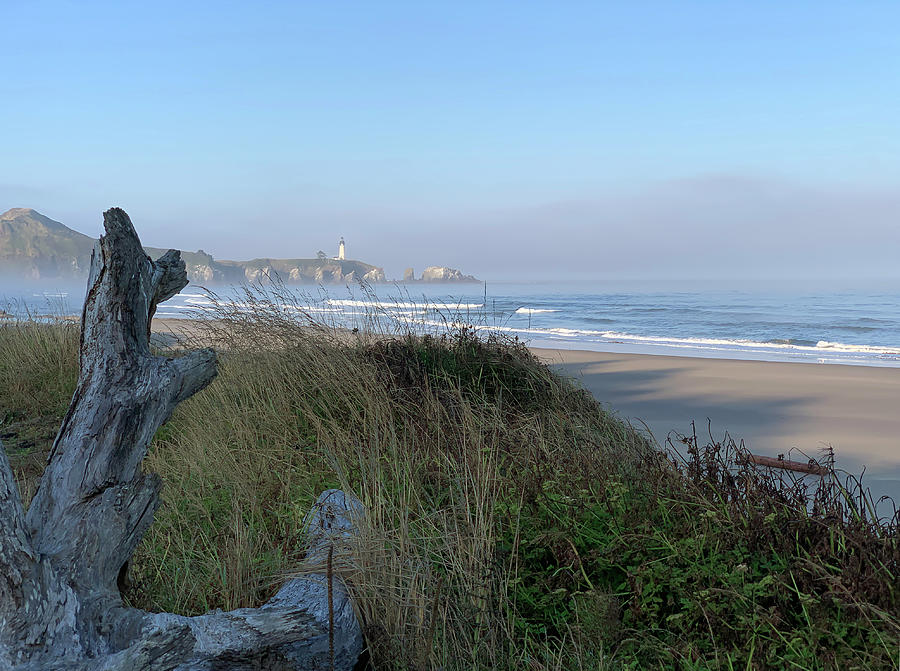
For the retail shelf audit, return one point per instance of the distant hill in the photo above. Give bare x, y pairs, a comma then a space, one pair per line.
33, 246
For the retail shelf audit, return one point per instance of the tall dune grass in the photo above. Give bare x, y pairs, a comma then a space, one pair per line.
38, 364
438, 436
38, 371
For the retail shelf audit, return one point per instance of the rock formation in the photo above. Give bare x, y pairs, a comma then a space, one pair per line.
444, 274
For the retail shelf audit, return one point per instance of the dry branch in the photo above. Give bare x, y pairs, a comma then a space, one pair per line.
812, 466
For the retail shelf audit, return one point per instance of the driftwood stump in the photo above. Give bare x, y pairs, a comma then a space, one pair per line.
60, 606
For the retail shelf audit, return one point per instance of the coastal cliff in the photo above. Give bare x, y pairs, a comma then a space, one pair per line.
202, 268
34, 247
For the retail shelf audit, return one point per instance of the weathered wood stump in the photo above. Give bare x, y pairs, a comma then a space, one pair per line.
60, 606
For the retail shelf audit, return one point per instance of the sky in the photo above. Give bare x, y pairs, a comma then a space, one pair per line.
511, 140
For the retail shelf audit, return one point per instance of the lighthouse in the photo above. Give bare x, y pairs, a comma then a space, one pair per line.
341, 250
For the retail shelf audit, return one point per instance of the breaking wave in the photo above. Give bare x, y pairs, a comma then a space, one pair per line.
395, 305
830, 329
534, 311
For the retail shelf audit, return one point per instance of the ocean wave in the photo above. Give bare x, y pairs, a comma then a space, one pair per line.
416, 315
845, 347
873, 320
736, 344
312, 309
396, 305
857, 329
533, 311
797, 342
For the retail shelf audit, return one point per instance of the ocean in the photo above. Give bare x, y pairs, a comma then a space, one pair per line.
775, 323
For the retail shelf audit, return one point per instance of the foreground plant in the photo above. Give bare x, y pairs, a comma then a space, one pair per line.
710, 562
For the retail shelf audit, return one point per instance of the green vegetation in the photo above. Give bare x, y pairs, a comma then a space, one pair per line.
38, 371
511, 521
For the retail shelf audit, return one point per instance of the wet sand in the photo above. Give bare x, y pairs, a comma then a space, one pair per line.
773, 407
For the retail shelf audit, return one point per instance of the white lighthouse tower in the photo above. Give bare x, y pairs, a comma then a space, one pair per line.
341, 250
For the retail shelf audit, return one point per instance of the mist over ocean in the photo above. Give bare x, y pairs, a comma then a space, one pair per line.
859, 326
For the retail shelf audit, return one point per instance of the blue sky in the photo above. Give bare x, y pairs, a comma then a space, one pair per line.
490, 136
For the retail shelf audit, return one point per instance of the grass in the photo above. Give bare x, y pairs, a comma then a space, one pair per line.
38, 371
511, 520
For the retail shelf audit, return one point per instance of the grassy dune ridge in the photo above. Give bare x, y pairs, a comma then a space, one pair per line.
511, 520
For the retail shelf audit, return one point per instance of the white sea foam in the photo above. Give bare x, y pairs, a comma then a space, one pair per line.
713, 343
843, 347
533, 311
396, 305
310, 309
674, 342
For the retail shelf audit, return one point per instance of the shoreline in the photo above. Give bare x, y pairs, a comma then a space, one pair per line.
824, 357
170, 324
775, 407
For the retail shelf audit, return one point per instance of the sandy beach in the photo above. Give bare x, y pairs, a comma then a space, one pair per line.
773, 407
